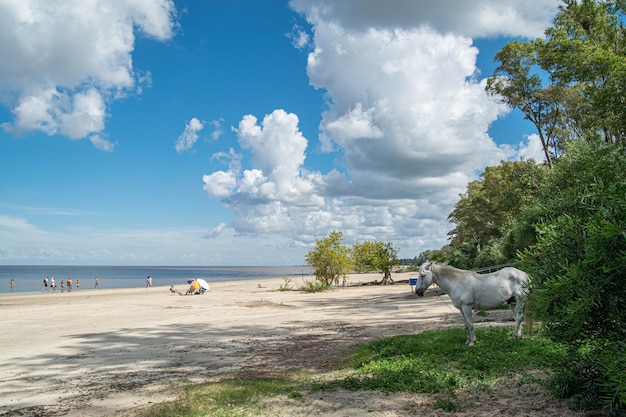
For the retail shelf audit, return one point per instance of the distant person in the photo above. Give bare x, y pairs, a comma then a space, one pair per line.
62, 285
174, 290
193, 290
12, 284
53, 285
149, 282
77, 284
45, 285
69, 285
97, 282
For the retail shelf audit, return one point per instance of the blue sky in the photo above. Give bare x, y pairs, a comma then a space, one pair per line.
237, 132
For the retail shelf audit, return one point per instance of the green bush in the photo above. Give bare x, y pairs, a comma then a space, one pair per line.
578, 265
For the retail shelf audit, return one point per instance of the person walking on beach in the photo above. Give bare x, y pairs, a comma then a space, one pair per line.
12, 284
62, 285
97, 283
69, 285
45, 285
149, 282
77, 284
53, 285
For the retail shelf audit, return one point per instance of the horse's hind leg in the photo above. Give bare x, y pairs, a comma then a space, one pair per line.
518, 315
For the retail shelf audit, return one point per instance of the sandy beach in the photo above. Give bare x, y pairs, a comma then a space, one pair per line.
101, 352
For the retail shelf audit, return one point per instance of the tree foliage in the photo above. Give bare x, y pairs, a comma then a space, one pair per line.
487, 209
570, 85
518, 85
586, 48
578, 265
375, 256
330, 258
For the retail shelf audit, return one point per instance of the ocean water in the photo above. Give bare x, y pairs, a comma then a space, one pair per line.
29, 279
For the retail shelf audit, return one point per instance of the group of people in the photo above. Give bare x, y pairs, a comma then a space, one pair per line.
343, 284
50, 285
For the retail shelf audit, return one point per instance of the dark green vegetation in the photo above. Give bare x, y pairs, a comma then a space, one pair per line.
579, 266
570, 236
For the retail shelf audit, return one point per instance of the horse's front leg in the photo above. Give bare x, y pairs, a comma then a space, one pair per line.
466, 312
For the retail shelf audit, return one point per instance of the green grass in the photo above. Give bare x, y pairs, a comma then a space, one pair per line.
440, 362
231, 398
436, 362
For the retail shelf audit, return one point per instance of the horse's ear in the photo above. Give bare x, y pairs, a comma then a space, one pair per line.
427, 265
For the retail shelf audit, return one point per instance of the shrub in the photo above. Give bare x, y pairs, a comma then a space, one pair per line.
578, 265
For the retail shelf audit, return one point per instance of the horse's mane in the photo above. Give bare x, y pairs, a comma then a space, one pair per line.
451, 271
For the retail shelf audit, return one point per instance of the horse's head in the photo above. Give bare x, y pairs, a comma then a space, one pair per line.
425, 279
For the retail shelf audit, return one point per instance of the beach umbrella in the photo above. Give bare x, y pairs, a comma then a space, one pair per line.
190, 280
203, 283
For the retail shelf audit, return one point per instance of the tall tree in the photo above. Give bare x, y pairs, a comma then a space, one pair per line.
570, 85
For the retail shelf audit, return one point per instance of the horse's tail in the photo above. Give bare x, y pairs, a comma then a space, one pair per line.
528, 319
527, 311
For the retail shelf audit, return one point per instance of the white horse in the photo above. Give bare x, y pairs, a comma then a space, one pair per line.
469, 291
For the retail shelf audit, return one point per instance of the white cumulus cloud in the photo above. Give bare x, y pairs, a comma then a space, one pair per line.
63, 62
279, 191
407, 120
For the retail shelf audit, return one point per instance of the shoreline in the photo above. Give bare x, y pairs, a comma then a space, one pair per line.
29, 279
364, 279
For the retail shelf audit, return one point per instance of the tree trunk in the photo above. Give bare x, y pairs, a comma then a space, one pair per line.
387, 279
